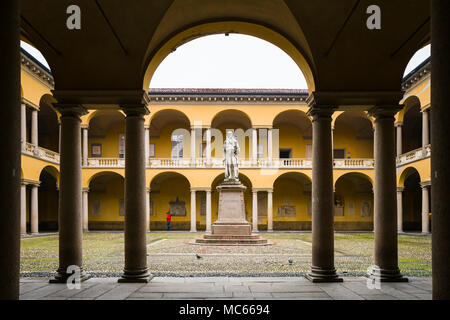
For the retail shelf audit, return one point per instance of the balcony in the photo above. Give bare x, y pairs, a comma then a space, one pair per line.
41, 153
415, 155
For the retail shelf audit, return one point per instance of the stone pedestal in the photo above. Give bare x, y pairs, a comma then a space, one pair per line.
231, 227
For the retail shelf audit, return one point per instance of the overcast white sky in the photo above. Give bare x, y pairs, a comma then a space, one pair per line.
235, 61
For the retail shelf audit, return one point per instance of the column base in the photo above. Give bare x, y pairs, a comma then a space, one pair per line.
319, 275
137, 276
62, 276
386, 275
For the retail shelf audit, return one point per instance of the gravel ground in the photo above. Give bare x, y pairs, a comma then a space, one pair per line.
171, 254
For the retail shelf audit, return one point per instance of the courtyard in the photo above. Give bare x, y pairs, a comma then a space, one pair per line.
171, 254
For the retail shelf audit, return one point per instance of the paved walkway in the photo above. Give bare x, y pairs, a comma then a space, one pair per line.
227, 288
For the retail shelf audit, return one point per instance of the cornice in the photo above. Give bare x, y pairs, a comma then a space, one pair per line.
36, 70
417, 75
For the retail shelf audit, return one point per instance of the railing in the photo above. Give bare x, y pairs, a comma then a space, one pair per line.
415, 155
260, 163
354, 163
106, 163
41, 153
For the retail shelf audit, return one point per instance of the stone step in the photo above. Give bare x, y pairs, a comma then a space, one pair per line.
231, 241
232, 237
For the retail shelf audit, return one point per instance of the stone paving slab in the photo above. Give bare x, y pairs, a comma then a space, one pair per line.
227, 288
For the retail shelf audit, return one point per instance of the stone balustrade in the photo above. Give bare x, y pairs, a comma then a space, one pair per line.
106, 163
41, 153
414, 155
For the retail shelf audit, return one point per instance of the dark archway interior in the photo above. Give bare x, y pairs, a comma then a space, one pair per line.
412, 203
48, 133
412, 129
48, 203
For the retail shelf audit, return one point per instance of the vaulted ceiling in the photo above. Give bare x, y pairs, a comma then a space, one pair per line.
111, 56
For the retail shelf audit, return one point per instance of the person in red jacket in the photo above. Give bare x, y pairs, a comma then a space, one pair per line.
168, 219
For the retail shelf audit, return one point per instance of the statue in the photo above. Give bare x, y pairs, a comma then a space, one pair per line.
231, 151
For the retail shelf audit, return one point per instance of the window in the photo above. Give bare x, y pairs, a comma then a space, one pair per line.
203, 149
177, 146
339, 153
261, 150
285, 153
308, 151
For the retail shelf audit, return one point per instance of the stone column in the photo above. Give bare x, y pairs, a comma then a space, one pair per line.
85, 147
193, 142
269, 210
34, 209
322, 269
208, 146
399, 126
193, 211
254, 146
385, 202
425, 128
70, 193
34, 127
147, 145
270, 145
23, 208
400, 209
135, 192
425, 207
254, 211
10, 133
85, 209
23, 125
147, 209
208, 212
440, 141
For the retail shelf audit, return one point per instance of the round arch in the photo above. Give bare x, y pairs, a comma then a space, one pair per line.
52, 170
411, 200
405, 174
337, 175
48, 123
247, 28
102, 173
106, 204
231, 115
98, 113
353, 135
291, 202
409, 103
48, 195
170, 191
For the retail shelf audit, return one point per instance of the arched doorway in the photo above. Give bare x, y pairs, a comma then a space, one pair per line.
353, 136
48, 194
291, 202
412, 202
295, 135
412, 126
107, 135
106, 206
48, 125
353, 203
170, 191
236, 120
170, 135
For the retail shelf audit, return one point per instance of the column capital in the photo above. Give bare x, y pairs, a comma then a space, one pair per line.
85, 126
425, 184
400, 189
70, 109
321, 111
33, 183
384, 111
200, 189
398, 124
85, 189
135, 110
